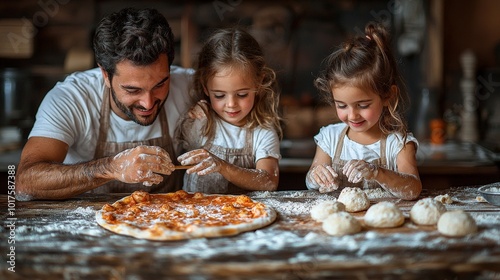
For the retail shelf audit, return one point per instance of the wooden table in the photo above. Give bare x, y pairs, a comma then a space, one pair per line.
61, 240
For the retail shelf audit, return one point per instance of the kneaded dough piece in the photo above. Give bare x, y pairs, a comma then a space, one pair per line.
325, 208
456, 223
480, 198
354, 199
384, 214
341, 223
444, 198
427, 211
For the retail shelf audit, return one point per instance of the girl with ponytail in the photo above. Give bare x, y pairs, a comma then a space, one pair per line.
371, 147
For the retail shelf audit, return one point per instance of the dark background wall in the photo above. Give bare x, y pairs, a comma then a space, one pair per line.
296, 35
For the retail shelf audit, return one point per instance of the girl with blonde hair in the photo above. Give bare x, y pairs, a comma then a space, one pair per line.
232, 135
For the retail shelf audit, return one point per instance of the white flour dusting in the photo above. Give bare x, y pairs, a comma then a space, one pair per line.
377, 193
80, 221
82, 211
290, 208
486, 219
308, 243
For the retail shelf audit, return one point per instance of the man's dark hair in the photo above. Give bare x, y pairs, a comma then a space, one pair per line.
140, 36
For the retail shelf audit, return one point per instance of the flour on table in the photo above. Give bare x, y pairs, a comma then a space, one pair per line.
82, 211
288, 194
311, 246
261, 194
292, 208
486, 219
377, 193
81, 222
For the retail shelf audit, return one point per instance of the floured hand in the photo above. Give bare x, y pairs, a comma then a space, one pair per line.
204, 161
357, 170
192, 127
141, 164
199, 111
325, 177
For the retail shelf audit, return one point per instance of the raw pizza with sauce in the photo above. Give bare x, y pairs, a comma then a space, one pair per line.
182, 215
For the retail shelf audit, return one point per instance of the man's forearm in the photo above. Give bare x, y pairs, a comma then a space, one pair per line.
60, 181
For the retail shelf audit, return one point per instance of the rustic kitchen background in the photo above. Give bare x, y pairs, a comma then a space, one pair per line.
42, 41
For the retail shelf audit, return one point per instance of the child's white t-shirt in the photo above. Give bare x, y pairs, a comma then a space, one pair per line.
328, 138
265, 141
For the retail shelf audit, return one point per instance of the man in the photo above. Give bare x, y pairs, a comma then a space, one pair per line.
110, 129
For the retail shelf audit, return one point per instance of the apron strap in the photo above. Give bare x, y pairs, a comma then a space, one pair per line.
104, 148
383, 160
103, 124
340, 144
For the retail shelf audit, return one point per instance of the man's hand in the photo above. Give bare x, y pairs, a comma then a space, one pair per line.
142, 164
357, 170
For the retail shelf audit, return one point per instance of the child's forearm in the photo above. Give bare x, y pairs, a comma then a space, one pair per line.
404, 186
250, 179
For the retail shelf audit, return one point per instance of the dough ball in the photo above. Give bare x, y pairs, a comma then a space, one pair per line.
444, 198
384, 214
341, 223
456, 223
427, 211
354, 199
479, 198
323, 209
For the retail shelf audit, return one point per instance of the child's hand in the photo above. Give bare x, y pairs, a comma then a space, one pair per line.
357, 170
204, 161
199, 111
325, 176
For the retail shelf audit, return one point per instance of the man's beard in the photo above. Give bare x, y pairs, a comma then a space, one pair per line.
128, 110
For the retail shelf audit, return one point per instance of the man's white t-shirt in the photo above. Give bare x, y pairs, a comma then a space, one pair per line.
70, 113
328, 137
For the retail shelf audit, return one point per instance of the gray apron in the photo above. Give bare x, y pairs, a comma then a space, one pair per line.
215, 182
338, 164
104, 148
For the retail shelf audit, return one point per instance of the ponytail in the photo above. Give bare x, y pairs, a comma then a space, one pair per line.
367, 62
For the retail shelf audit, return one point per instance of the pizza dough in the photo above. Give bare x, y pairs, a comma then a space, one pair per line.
427, 211
182, 215
323, 209
354, 199
341, 223
456, 223
384, 215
